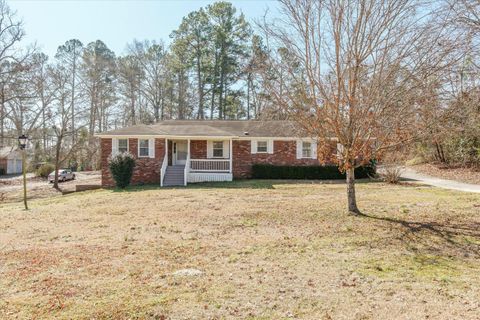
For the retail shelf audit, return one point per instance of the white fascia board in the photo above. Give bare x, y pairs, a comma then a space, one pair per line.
120, 136
125, 136
281, 138
248, 138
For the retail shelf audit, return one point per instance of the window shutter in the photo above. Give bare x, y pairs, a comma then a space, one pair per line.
226, 147
314, 150
209, 149
270, 146
151, 147
114, 146
299, 149
253, 144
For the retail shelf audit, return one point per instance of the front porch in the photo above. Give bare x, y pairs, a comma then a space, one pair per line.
193, 160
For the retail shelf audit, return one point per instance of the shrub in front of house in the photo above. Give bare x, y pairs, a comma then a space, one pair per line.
329, 172
121, 167
44, 170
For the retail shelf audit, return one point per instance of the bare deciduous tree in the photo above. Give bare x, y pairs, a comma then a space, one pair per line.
61, 120
11, 33
151, 58
351, 69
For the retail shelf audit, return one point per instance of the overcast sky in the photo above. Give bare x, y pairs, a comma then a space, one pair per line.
116, 22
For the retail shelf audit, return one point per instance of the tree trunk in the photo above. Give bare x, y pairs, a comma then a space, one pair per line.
221, 102
162, 108
214, 86
212, 105
352, 201
74, 71
44, 132
57, 161
200, 89
132, 108
156, 109
220, 99
2, 118
248, 95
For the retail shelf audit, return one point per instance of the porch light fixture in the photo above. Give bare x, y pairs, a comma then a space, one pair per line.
22, 141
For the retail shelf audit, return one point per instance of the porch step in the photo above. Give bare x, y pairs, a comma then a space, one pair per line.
174, 176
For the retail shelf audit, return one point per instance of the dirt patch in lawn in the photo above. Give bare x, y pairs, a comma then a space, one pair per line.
263, 249
467, 175
11, 187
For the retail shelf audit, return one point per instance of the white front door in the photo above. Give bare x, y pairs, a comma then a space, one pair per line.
180, 151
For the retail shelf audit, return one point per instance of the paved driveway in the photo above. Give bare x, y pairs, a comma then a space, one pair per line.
410, 174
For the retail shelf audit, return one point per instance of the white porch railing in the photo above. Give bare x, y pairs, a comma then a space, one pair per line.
210, 165
163, 168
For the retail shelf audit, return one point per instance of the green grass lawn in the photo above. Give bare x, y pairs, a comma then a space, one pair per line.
267, 250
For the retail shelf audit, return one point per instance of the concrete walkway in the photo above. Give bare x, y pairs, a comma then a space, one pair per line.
410, 174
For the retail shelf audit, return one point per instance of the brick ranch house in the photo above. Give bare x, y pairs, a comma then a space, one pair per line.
177, 152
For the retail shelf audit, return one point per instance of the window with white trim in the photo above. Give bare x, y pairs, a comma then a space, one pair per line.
122, 145
262, 146
217, 149
143, 148
306, 149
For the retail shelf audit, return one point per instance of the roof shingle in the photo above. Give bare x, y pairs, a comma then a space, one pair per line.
212, 128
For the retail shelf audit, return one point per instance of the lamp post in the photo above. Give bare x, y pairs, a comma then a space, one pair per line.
22, 142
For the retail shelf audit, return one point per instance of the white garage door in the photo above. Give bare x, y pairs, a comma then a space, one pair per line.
14, 166
10, 166
19, 166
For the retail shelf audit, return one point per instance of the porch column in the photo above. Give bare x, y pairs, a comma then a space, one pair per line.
164, 164
187, 165
166, 150
231, 154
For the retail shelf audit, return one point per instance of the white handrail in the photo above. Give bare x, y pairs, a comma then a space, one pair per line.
209, 165
163, 169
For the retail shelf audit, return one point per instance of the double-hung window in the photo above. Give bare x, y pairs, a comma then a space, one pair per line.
262, 146
217, 149
122, 145
143, 148
306, 149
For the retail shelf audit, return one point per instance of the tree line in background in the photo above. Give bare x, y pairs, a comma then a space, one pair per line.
209, 71
378, 75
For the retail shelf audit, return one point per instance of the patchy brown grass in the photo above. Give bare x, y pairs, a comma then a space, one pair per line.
268, 250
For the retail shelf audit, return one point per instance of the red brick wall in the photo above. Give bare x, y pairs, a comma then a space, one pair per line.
284, 153
198, 149
106, 150
147, 170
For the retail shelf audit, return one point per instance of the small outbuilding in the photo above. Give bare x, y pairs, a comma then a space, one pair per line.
10, 160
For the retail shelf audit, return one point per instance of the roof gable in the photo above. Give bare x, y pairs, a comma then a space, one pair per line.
9, 152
